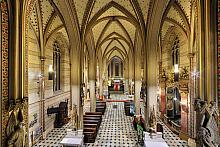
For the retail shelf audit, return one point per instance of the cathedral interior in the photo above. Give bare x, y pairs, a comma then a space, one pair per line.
110, 73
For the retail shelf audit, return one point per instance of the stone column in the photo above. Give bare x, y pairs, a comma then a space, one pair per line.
151, 79
126, 77
14, 83
110, 70
101, 85
76, 86
119, 69
42, 95
137, 85
113, 68
92, 77
201, 27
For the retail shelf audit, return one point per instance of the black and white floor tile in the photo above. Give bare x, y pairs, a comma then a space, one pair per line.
54, 137
116, 130
172, 139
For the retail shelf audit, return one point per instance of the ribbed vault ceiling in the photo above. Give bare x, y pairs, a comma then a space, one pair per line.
177, 15
45, 20
113, 23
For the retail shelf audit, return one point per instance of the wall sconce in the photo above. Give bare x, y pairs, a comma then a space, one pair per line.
50, 76
176, 72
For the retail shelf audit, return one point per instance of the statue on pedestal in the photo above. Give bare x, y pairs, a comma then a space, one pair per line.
207, 129
153, 121
15, 129
17, 138
74, 116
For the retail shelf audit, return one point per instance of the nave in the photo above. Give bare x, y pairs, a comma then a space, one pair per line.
62, 58
116, 130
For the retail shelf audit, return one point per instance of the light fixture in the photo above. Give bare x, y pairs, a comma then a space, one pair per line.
176, 72
176, 68
50, 76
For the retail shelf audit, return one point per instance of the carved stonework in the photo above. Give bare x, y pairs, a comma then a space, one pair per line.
4, 67
184, 73
74, 116
207, 128
15, 130
152, 120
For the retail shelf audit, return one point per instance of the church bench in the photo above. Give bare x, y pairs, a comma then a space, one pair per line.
90, 118
94, 116
89, 134
100, 109
93, 113
101, 104
97, 122
90, 125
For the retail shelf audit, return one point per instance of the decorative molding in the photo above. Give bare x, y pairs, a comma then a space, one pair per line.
4, 68
206, 123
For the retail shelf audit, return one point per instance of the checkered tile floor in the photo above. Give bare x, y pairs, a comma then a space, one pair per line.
172, 139
116, 130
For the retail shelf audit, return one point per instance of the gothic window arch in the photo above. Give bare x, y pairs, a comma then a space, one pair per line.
175, 52
56, 66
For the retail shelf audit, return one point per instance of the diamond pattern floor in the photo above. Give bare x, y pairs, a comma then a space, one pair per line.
116, 130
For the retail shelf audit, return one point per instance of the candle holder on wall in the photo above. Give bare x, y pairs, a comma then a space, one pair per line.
50, 76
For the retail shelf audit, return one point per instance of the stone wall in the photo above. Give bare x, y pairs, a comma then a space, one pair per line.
39, 87
167, 47
34, 71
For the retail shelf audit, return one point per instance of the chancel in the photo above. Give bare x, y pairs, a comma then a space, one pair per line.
119, 73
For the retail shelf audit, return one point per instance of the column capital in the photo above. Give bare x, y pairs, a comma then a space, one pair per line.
42, 58
191, 55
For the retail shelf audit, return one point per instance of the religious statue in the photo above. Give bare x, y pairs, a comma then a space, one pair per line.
74, 116
17, 138
184, 73
15, 129
207, 129
152, 120
163, 75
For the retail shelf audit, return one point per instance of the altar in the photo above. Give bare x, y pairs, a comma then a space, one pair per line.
154, 140
73, 138
72, 142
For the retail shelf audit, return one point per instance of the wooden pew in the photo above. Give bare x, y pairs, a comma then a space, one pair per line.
100, 107
94, 116
87, 125
98, 122
90, 118
103, 104
91, 123
89, 134
93, 113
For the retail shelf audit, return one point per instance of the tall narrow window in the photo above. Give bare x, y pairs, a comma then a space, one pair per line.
175, 52
56, 66
122, 68
116, 69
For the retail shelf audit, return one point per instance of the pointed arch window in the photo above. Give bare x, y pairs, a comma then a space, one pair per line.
56, 66
175, 52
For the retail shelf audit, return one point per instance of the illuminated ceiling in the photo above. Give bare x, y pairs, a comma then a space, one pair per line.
45, 20
113, 24
179, 16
